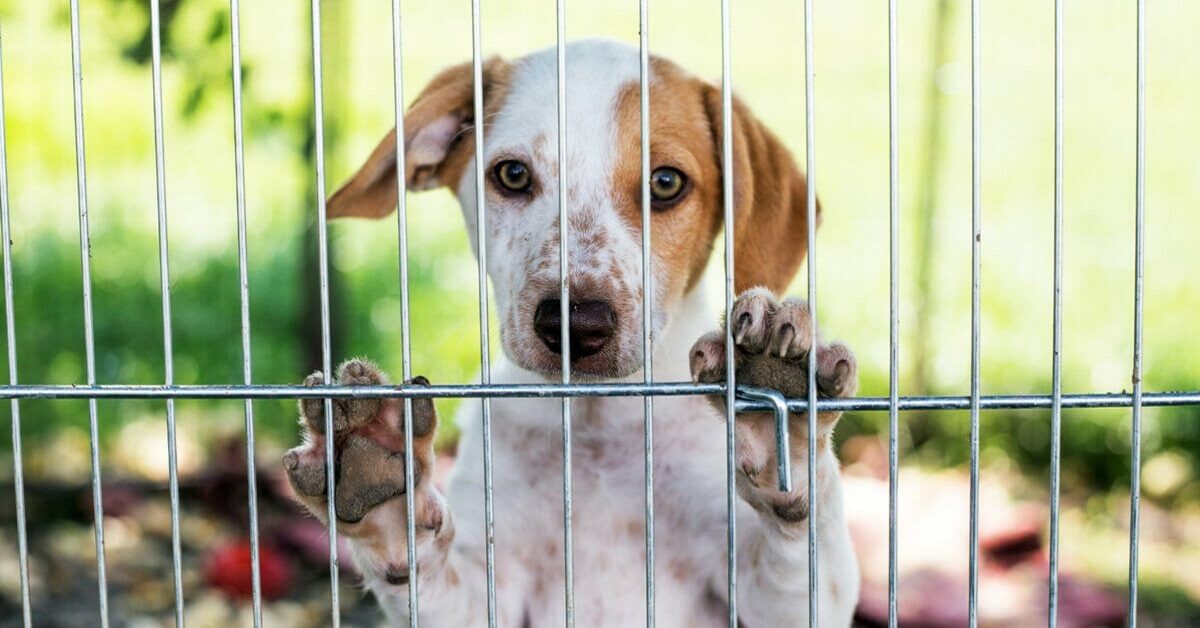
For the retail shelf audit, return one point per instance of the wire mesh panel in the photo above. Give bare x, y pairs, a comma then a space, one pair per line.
88, 326
739, 398
235, 65
10, 335
647, 296
410, 528
323, 282
165, 288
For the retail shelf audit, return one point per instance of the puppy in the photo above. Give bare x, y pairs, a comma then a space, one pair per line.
772, 338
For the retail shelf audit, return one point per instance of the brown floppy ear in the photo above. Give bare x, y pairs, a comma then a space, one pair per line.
438, 143
770, 236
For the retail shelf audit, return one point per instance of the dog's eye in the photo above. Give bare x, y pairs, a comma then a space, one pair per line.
513, 175
667, 184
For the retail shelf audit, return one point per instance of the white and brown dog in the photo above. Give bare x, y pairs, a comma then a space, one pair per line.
772, 339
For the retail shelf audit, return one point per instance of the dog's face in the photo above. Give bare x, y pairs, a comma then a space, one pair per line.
603, 200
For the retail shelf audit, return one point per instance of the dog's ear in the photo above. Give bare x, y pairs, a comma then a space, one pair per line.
770, 202
438, 143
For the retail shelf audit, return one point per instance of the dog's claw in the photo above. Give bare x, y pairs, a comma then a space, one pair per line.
787, 332
773, 339
708, 358
743, 326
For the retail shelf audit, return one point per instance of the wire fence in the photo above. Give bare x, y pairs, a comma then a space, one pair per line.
740, 398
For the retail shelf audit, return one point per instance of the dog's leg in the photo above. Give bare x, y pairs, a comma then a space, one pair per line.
370, 499
772, 341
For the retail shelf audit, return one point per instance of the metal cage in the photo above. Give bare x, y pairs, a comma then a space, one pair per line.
739, 398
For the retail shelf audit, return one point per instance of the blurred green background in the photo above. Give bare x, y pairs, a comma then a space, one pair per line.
852, 178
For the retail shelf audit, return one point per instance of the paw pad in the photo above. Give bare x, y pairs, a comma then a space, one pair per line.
369, 445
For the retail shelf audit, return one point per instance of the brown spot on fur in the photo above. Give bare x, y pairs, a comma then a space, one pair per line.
680, 137
680, 572
447, 99
770, 201
453, 91
540, 148
770, 236
577, 222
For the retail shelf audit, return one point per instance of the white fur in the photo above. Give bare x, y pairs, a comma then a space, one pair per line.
689, 445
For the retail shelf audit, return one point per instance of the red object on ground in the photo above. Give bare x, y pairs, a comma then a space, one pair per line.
228, 568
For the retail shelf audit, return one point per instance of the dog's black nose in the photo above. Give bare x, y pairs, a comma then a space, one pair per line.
592, 324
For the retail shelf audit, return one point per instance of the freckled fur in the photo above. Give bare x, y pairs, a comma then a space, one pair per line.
603, 172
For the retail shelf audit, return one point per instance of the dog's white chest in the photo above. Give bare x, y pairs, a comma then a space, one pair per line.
608, 522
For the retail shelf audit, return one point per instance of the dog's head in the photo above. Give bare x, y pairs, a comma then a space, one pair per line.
603, 170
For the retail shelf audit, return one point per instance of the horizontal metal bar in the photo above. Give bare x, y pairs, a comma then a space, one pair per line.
662, 389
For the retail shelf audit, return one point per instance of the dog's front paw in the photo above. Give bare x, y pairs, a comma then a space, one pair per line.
368, 440
772, 340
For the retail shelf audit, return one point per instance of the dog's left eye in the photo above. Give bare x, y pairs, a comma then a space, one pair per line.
513, 175
667, 185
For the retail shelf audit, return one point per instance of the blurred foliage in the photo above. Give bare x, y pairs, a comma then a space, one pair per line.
278, 122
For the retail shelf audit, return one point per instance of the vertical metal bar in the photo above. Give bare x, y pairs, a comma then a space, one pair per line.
1056, 368
976, 235
783, 450
811, 202
239, 166
730, 376
165, 287
11, 337
647, 300
894, 310
405, 327
485, 368
1135, 472
89, 340
564, 312
323, 269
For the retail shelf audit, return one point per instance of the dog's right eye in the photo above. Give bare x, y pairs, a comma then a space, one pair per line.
513, 175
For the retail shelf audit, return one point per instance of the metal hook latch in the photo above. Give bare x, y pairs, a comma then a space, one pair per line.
783, 446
